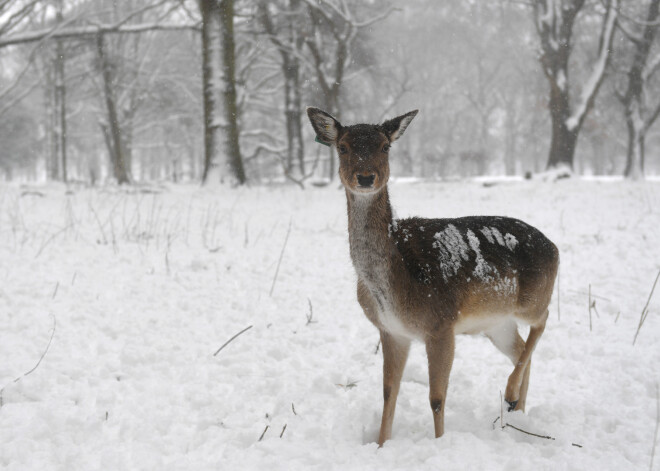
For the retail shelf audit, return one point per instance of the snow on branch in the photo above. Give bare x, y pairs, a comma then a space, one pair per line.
81, 31
596, 78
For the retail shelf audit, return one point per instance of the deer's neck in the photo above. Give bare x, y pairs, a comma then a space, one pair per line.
372, 248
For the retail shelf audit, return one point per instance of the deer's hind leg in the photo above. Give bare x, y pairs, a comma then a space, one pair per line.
519, 379
507, 340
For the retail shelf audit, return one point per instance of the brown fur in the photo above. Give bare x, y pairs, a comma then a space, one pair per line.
431, 279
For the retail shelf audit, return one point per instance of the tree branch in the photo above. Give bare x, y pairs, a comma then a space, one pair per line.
84, 31
598, 73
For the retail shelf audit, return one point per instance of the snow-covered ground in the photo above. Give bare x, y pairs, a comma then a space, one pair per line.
143, 288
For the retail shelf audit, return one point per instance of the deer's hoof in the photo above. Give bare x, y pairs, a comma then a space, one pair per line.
512, 405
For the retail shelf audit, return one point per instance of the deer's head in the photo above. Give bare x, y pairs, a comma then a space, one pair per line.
363, 148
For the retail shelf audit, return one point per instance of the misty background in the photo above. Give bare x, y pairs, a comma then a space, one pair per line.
192, 91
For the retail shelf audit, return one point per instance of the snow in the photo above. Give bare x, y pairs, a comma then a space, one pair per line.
453, 250
145, 287
482, 270
561, 79
511, 241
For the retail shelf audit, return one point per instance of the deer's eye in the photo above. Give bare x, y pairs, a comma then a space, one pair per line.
342, 149
386, 148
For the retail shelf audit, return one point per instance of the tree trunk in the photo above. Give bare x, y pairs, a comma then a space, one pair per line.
293, 114
121, 171
234, 157
221, 134
633, 99
635, 153
60, 102
211, 84
293, 100
511, 138
289, 51
292, 104
564, 140
52, 163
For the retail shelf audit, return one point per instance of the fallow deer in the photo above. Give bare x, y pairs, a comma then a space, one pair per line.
430, 279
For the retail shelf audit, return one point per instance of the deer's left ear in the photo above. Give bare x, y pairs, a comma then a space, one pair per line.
325, 125
395, 127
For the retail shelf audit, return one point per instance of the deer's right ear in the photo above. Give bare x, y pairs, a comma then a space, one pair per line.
326, 127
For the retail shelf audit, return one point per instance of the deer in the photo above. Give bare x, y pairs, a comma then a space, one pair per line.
432, 279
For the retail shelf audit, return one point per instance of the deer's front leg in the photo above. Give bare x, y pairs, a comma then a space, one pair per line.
395, 354
440, 352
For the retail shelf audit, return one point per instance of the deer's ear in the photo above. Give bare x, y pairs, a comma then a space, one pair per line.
395, 127
326, 127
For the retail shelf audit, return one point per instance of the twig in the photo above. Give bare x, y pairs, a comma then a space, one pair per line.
547, 437
277, 270
57, 285
52, 334
283, 429
263, 433
98, 221
657, 424
645, 311
227, 342
293, 409
377, 347
501, 410
589, 305
310, 316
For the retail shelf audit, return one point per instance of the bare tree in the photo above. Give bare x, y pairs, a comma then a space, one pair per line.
82, 27
289, 43
220, 106
111, 129
59, 155
638, 112
12, 16
333, 29
554, 21
234, 157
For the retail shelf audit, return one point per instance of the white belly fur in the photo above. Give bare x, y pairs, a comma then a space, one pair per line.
473, 325
392, 324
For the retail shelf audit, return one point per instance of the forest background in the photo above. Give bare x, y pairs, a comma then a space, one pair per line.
181, 90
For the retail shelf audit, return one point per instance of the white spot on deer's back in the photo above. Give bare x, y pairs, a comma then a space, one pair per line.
498, 235
483, 270
511, 241
492, 234
453, 250
488, 234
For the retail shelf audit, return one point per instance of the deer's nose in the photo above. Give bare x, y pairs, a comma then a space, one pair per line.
366, 181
